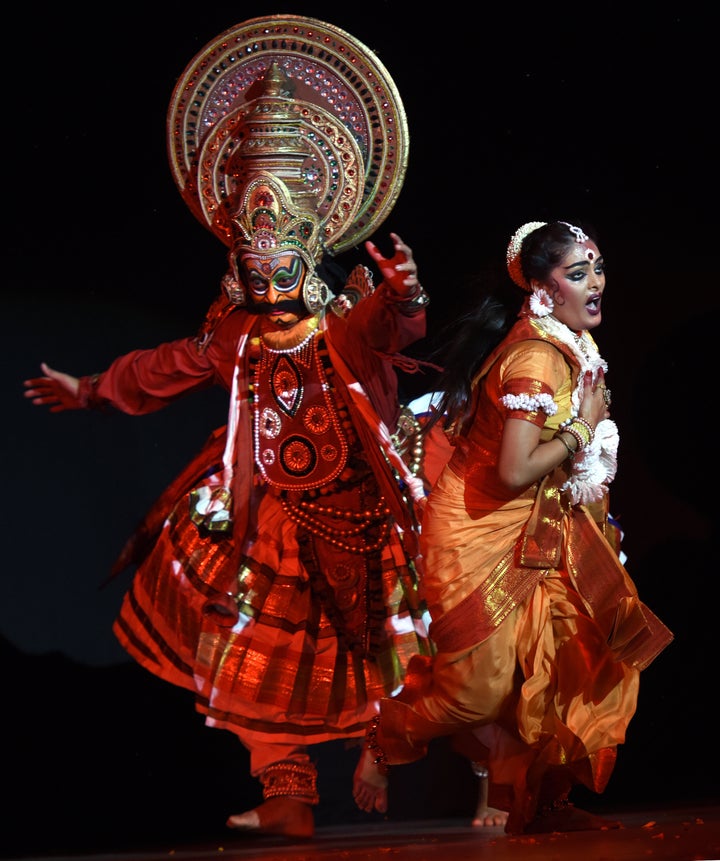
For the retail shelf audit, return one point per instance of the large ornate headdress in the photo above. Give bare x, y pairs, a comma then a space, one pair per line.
286, 132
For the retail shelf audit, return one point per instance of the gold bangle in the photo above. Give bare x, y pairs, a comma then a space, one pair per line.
588, 427
571, 452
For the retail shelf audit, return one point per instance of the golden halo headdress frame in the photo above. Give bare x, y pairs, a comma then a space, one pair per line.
332, 129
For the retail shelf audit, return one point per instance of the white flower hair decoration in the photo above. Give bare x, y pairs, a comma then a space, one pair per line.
541, 302
513, 253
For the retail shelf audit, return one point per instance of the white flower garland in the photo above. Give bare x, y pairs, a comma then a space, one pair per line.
582, 347
595, 466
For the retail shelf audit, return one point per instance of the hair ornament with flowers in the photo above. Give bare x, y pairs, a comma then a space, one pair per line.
540, 303
515, 248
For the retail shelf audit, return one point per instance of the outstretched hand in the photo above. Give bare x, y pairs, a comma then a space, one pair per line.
398, 271
57, 390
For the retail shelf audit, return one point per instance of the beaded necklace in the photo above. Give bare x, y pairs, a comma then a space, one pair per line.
299, 440
582, 346
305, 449
594, 468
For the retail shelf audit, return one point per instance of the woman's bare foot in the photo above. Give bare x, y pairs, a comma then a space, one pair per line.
568, 818
370, 784
486, 816
490, 817
282, 815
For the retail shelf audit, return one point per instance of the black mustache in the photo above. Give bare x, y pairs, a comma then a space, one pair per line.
285, 306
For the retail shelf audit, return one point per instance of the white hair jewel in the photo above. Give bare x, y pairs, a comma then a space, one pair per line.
515, 247
580, 236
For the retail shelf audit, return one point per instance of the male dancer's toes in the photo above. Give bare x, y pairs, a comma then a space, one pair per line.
370, 784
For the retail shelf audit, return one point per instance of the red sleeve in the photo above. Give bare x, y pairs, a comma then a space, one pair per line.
144, 381
368, 338
383, 323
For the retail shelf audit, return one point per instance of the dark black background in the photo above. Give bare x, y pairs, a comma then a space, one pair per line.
562, 111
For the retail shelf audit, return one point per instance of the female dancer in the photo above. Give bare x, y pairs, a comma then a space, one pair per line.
539, 630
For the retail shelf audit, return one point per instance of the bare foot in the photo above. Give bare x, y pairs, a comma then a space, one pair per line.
248, 821
490, 817
569, 818
486, 816
369, 785
280, 815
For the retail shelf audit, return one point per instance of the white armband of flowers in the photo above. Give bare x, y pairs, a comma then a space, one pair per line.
530, 403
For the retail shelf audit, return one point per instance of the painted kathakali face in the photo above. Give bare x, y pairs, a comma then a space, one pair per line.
275, 284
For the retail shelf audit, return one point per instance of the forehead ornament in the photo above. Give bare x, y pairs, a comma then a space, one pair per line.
580, 235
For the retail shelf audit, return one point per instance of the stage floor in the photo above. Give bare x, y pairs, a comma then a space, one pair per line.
672, 834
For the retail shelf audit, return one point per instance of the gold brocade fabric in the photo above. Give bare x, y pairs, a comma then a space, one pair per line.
481, 518
540, 633
294, 633
279, 670
485, 549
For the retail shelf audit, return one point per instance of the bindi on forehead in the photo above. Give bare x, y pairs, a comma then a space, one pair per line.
580, 254
580, 237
